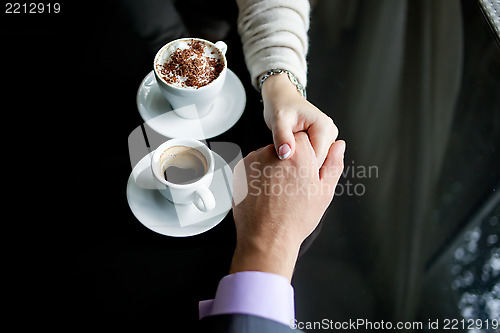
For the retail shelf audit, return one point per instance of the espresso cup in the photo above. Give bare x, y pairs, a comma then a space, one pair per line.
181, 96
183, 170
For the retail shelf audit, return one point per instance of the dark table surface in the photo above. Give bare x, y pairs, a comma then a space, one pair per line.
414, 89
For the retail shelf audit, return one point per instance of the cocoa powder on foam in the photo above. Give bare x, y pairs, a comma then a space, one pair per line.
190, 67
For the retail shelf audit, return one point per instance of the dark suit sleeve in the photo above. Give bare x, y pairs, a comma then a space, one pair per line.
240, 323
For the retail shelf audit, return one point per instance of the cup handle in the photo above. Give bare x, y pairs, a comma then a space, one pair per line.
221, 46
204, 199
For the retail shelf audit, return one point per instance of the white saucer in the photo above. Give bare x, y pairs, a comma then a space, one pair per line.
226, 111
160, 215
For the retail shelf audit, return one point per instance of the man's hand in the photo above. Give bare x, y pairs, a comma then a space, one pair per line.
285, 202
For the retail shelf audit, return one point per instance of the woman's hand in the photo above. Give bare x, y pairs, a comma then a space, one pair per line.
286, 112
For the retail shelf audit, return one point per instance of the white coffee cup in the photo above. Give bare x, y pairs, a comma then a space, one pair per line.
180, 97
197, 192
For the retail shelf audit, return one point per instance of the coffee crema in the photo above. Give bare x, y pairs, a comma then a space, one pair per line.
183, 165
191, 64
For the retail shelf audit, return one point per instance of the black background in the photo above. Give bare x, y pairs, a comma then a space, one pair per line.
83, 259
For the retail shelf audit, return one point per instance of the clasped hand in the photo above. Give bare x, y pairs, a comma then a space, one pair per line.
286, 112
278, 203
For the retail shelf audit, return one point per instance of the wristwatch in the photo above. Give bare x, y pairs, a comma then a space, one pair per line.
293, 79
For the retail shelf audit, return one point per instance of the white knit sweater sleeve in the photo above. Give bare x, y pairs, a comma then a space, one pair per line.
274, 35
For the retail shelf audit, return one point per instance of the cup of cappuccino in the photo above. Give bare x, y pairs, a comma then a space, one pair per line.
183, 170
191, 71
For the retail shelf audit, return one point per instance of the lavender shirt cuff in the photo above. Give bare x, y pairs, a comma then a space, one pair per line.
260, 294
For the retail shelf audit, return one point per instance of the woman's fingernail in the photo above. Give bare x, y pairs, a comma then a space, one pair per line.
284, 151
